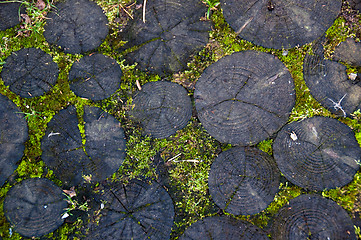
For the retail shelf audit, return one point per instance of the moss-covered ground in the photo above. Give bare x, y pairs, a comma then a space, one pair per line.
189, 153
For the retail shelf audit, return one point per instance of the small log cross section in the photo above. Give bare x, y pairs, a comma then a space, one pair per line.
311, 216
74, 162
162, 108
77, 26
221, 228
137, 210
13, 134
328, 81
317, 153
171, 33
30, 72
34, 207
243, 180
95, 77
244, 98
280, 23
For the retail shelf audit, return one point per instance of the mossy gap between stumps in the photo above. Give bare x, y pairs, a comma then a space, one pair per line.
188, 178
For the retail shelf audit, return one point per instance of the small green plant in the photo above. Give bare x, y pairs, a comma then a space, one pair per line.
32, 114
35, 16
212, 4
73, 203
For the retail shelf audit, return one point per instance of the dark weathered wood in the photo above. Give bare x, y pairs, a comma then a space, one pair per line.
34, 207
355, 4
279, 23
172, 31
349, 52
13, 134
223, 228
244, 98
243, 180
137, 210
162, 108
10, 14
95, 77
105, 143
63, 150
311, 216
329, 84
77, 26
30, 72
317, 153
62, 147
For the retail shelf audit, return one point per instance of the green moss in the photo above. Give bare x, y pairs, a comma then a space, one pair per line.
189, 153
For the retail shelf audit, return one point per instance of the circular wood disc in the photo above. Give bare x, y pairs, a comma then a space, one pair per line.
243, 180
71, 161
244, 98
162, 108
135, 211
329, 83
77, 26
34, 207
223, 228
105, 143
30, 72
280, 23
13, 134
349, 52
311, 216
95, 77
317, 153
172, 32
10, 15
62, 147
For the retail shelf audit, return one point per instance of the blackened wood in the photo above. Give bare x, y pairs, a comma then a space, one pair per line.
105, 143
317, 153
138, 210
355, 4
30, 72
171, 33
77, 26
62, 147
13, 134
70, 159
279, 23
311, 216
349, 52
10, 14
244, 98
34, 207
95, 77
329, 84
223, 228
243, 180
162, 108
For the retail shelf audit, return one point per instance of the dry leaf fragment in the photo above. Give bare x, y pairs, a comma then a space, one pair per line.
71, 192
26, 18
293, 136
40, 4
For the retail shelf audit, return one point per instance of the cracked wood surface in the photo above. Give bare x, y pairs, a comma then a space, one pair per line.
244, 98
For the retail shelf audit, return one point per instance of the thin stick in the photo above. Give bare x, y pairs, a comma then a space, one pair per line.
144, 5
126, 11
188, 160
138, 85
175, 157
